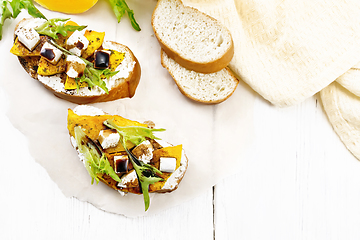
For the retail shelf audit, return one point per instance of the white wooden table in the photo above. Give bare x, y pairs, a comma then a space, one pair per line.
299, 182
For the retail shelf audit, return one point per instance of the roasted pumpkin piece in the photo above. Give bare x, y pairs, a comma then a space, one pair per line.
173, 151
95, 41
46, 68
115, 59
92, 125
20, 50
70, 83
108, 181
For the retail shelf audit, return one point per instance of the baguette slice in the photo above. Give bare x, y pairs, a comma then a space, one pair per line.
193, 39
90, 119
209, 88
122, 85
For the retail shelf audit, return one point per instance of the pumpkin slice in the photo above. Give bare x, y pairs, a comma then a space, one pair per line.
20, 50
95, 41
46, 68
174, 152
92, 125
70, 83
115, 59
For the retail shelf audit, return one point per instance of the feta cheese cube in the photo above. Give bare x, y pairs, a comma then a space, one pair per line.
74, 66
144, 151
128, 180
76, 51
121, 163
109, 138
167, 164
28, 37
77, 42
51, 53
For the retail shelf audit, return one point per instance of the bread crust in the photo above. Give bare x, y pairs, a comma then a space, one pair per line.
205, 67
209, 67
126, 89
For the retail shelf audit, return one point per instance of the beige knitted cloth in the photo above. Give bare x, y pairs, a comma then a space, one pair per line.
288, 50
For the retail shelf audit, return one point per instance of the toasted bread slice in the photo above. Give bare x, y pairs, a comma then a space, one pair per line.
192, 38
208, 88
90, 119
121, 85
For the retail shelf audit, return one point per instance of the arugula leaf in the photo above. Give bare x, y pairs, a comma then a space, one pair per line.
93, 77
137, 134
108, 73
146, 173
5, 14
57, 25
17, 5
120, 7
96, 161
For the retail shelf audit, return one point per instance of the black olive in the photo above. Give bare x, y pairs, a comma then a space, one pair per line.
101, 59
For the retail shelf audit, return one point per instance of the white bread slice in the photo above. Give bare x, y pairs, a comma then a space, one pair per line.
91, 112
209, 88
193, 39
122, 85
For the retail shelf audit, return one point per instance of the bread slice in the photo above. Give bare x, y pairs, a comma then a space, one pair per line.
209, 88
193, 39
122, 85
90, 119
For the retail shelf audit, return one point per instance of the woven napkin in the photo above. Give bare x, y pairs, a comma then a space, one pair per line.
341, 101
288, 50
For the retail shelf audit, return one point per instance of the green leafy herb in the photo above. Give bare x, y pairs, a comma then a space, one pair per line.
120, 7
96, 161
17, 5
77, 84
94, 77
135, 134
5, 14
146, 173
57, 25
